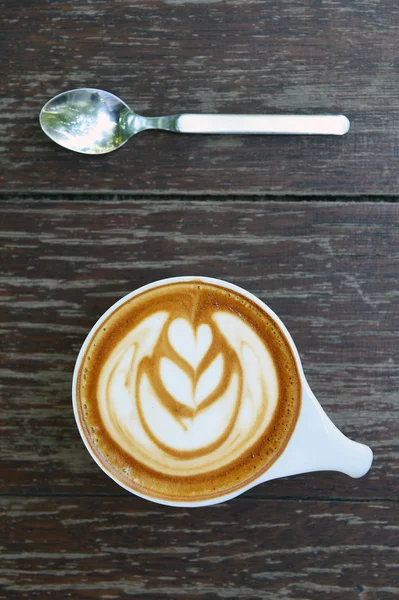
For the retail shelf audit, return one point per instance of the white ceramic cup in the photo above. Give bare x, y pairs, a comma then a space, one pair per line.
316, 444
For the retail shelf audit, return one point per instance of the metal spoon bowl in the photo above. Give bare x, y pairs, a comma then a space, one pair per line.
92, 121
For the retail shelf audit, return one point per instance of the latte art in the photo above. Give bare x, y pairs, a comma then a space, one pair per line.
187, 387
180, 399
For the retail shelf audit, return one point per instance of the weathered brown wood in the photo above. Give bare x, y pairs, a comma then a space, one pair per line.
247, 550
178, 55
329, 270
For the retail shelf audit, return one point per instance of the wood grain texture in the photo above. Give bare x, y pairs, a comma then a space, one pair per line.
211, 56
244, 550
329, 270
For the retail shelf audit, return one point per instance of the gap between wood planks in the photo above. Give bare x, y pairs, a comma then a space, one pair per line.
237, 499
205, 196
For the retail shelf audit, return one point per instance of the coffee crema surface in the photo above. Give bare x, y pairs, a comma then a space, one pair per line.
188, 391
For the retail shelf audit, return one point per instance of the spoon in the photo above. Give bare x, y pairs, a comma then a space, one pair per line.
93, 121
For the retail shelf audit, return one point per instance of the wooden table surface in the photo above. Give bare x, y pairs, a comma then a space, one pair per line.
171, 56
310, 225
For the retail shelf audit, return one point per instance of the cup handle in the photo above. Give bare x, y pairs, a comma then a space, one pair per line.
318, 445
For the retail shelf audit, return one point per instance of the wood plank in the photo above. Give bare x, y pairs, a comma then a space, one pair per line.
329, 271
211, 56
246, 550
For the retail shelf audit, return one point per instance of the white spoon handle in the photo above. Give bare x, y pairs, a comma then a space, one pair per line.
263, 124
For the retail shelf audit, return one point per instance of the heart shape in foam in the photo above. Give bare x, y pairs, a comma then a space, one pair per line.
189, 344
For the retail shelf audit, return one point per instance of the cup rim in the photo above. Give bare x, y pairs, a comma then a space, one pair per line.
136, 292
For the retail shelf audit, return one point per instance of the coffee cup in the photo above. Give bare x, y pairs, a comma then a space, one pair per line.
189, 391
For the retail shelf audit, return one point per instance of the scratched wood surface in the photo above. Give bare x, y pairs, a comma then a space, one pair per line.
164, 57
245, 550
329, 270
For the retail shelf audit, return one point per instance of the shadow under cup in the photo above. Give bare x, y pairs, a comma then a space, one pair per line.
187, 390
